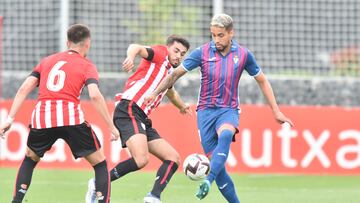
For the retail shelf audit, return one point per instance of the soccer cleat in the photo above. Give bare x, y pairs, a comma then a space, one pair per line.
204, 189
90, 196
150, 198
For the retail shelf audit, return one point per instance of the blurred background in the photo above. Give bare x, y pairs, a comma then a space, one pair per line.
309, 50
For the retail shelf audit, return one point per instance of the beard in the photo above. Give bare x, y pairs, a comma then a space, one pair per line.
175, 65
220, 48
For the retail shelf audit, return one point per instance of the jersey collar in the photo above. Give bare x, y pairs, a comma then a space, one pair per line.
73, 51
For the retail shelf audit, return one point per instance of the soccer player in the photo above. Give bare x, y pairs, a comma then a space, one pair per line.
57, 114
131, 114
221, 63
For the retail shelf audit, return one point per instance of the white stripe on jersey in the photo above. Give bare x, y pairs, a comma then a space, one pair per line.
130, 93
53, 115
37, 115
71, 113
153, 85
59, 113
48, 114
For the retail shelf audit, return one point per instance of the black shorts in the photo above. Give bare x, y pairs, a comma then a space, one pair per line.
80, 138
130, 119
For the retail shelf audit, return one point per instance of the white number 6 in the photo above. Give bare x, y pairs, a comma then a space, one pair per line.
56, 73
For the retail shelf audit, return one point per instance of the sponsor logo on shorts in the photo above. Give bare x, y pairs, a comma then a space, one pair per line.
116, 173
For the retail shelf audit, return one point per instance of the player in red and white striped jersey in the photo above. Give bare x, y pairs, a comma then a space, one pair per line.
57, 114
131, 114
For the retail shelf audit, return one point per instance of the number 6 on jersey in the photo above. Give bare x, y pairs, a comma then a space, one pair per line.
56, 77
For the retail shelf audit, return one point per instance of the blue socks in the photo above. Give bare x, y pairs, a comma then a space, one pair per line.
226, 187
220, 154
218, 171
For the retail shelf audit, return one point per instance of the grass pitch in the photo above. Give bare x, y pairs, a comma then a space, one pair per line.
69, 186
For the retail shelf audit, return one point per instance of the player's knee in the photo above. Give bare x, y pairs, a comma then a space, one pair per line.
142, 161
176, 158
173, 156
29, 153
226, 137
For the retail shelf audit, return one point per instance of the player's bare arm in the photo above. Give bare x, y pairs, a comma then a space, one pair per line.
28, 85
99, 103
175, 99
168, 82
132, 51
270, 97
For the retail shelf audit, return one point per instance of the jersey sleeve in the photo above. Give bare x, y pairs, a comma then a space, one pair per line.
158, 53
251, 66
150, 53
37, 70
193, 60
91, 75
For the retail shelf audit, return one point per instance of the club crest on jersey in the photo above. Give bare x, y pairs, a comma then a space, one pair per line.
236, 59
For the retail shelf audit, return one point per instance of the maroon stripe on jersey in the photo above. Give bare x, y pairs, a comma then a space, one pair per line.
204, 87
228, 80
242, 53
53, 114
167, 173
217, 74
136, 129
66, 113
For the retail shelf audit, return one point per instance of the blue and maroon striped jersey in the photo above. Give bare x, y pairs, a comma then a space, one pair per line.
220, 74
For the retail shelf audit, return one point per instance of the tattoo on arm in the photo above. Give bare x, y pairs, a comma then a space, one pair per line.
166, 83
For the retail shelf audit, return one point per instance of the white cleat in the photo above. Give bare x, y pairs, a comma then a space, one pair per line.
149, 198
90, 196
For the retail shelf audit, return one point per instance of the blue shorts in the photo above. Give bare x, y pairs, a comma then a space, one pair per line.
210, 120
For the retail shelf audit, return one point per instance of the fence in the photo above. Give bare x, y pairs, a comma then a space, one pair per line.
305, 37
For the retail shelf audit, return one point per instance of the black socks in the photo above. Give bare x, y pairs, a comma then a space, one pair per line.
123, 168
23, 179
102, 182
163, 176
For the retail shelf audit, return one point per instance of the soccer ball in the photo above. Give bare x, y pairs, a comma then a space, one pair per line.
196, 166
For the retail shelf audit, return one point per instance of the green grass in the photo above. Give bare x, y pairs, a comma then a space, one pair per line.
69, 186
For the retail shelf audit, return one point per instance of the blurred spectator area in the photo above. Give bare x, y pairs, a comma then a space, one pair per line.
304, 37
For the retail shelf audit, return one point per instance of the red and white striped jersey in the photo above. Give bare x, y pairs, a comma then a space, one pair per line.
146, 78
62, 77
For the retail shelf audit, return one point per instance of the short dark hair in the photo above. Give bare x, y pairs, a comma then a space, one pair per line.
78, 33
175, 38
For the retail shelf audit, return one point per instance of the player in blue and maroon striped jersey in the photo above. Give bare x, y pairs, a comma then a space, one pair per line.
222, 62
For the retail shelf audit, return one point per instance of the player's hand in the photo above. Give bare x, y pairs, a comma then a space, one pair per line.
149, 99
186, 110
4, 127
281, 118
115, 134
128, 64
